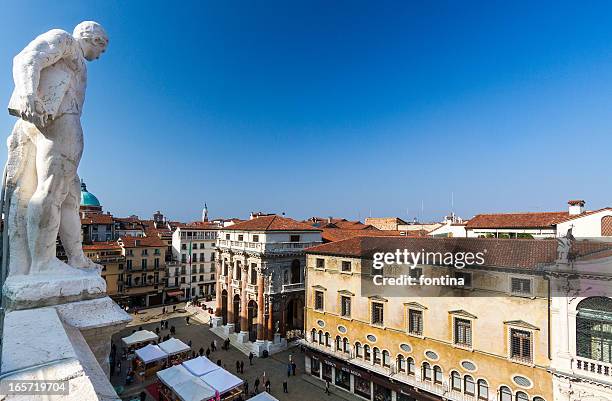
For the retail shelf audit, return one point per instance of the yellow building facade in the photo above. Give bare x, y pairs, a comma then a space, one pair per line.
485, 340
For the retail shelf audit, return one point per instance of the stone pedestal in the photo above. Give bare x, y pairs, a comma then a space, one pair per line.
277, 338
243, 337
229, 329
59, 327
38, 290
217, 321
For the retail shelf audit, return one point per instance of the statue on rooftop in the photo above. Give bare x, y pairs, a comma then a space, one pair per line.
45, 148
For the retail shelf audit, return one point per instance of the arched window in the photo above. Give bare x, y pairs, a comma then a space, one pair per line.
469, 387
401, 363
366, 352
483, 389
426, 371
386, 359
320, 337
606, 226
313, 336
538, 399
358, 350
376, 353
594, 329
455, 381
327, 340
345, 345
338, 343
505, 394
437, 374
520, 396
411, 366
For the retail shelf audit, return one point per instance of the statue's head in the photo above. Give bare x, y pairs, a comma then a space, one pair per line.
92, 38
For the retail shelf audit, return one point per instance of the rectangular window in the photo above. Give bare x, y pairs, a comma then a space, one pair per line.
129, 264
520, 345
184, 247
227, 236
377, 313
346, 306
463, 332
240, 237
319, 305
520, 286
416, 272
182, 280
415, 322
294, 238
156, 263
467, 278
143, 263
255, 238
346, 266
320, 263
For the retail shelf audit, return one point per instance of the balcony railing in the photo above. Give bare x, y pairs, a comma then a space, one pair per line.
252, 288
235, 283
267, 247
293, 287
592, 368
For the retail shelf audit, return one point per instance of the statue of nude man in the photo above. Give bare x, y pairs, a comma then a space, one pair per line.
45, 148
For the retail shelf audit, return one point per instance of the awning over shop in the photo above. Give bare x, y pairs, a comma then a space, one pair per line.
222, 380
174, 293
263, 396
151, 353
139, 336
174, 346
200, 366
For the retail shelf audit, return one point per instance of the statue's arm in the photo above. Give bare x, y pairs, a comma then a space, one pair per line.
47, 49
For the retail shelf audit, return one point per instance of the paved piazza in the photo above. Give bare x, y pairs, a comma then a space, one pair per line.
301, 386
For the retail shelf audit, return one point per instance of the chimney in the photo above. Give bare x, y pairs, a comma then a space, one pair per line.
576, 207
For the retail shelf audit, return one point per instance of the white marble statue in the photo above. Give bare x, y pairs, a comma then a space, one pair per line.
45, 147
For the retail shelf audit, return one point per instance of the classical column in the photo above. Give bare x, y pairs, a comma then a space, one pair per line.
270, 319
244, 299
260, 305
283, 316
230, 293
219, 301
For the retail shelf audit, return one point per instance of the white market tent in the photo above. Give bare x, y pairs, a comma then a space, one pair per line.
194, 390
200, 366
221, 380
174, 346
263, 396
151, 353
174, 376
139, 336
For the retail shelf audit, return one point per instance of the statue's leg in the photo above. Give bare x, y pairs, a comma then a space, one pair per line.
21, 184
58, 152
70, 228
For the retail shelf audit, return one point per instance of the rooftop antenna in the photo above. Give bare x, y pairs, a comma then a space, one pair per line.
452, 202
422, 209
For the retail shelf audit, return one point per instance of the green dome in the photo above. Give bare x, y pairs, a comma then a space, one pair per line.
87, 198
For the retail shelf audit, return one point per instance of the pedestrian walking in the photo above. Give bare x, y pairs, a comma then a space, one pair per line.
250, 358
293, 367
157, 330
256, 385
164, 310
173, 308
246, 388
237, 367
285, 386
241, 366
189, 342
214, 347
207, 352
172, 330
166, 324
268, 386
218, 362
187, 319
288, 369
201, 351
327, 387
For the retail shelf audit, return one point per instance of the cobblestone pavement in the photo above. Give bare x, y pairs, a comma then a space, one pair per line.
301, 386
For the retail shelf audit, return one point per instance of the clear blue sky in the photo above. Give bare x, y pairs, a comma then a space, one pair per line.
339, 108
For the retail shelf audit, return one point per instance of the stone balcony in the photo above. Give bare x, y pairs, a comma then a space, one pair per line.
594, 369
266, 247
293, 287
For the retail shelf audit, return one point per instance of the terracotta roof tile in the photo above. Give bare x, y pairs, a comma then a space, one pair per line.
97, 219
133, 242
101, 245
271, 223
517, 220
512, 253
